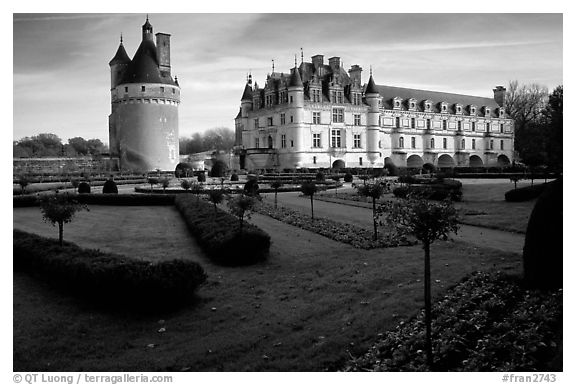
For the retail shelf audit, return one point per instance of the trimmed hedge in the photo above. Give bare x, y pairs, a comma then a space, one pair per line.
524, 194
105, 199
435, 192
107, 277
83, 188
218, 233
110, 187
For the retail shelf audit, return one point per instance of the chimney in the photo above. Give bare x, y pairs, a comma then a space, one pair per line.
334, 63
499, 95
317, 61
356, 74
163, 51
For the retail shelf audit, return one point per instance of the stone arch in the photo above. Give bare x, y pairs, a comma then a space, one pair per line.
503, 160
338, 163
414, 161
476, 161
428, 167
445, 161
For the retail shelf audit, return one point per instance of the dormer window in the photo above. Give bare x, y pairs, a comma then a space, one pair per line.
444, 107
458, 108
472, 110
501, 112
397, 103
486, 111
412, 104
427, 105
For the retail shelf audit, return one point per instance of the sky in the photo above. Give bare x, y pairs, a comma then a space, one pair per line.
61, 77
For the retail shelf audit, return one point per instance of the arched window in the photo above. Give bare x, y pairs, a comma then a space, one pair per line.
463, 144
432, 143
401, 142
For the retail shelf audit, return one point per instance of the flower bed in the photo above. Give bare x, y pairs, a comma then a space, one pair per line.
107, 277
356, 236
485, 323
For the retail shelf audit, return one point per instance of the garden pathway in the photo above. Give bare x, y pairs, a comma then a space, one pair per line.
361, 216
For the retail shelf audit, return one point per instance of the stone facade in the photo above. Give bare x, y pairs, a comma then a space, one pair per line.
319, 115
143, 125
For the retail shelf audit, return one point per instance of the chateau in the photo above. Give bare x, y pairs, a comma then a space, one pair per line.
143, 125
319, 115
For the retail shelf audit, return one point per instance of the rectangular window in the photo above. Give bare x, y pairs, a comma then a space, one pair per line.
291, 99
428, 124
413, 142
316, 141
444, 143
501, 127
444, 124
283, 141
161, 89
473, 144
291, 143
397, 122
459, 125
315, 117
501, 144
413, 123
357, 119
125, 89
357, 142
257, 142
463, 145
360, 161
333, 96
282, 118
256, 123
270, 121
173, 90
487, 127
340, 98
473, 126
314, 159
336, 139
491, 144
338, 115
291, 118
143, 88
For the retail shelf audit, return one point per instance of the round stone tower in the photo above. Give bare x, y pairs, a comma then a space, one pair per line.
372, 126
144, 120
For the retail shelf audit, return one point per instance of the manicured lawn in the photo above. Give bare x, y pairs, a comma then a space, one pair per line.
310, 302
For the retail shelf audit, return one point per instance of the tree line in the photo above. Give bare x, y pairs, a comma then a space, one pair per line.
220, 138
538, 120
50, 145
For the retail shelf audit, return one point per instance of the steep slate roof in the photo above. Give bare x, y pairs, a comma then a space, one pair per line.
295, 79
388, 93
247, 95
371, 87
121, 56
144, 68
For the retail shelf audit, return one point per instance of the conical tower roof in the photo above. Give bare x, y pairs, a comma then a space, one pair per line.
144, 67
121, 56
295, 79
247, 95
371, 87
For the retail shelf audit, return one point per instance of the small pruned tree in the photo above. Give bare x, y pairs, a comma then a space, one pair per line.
216, 197
152, 181
364, 178
196, 189
186, 184
276, 185
309, 189
374, 191
165, 183
515, 179
75, 183
242, 206
59, 209
428, 222
23, 182
336, 179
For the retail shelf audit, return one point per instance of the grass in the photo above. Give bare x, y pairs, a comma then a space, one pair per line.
274, 316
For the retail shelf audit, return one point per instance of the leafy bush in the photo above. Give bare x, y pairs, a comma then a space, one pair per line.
107, 277
348, 177
183, 170
110, 187
251, 187
524, 194
234, 177
83, 188
485, 323
219, 233
219, 168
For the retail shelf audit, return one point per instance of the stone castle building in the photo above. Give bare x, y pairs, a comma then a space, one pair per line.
143, 125
320, 115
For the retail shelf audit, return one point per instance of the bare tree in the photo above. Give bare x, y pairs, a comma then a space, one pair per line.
524, 103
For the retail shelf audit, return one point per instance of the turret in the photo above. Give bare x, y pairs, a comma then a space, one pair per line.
118, 65
296, 103
372, 127
147, 32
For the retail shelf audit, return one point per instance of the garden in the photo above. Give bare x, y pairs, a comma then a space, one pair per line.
259, 301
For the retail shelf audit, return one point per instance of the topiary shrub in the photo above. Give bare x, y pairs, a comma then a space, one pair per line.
524, 194
219, 169
201, 176
234, 177
543, 242
110, 187
320, 176
107, 277
251, 187
183, 170
83, 188
348, 177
